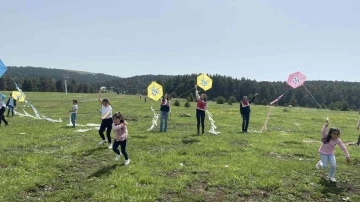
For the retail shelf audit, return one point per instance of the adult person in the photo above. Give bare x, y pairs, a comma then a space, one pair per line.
245, 111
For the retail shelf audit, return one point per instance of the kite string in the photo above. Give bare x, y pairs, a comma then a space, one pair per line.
315, 100
186, 92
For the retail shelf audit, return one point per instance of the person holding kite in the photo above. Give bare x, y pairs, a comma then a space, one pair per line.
201, 107
74, 111
11, 104
164, 108
106, 120
330, 138
245, 111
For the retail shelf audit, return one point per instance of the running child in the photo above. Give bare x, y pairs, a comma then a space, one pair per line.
121, 133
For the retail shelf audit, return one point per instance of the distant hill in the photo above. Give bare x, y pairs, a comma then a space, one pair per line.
339, 95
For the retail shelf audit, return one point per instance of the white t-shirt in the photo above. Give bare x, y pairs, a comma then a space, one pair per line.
74, 109
105, 110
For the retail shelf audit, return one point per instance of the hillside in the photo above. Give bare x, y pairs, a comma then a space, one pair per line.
327, 94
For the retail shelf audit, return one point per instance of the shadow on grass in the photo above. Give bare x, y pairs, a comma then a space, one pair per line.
139, 137
330, 187
91, 151
105, 171
189, 141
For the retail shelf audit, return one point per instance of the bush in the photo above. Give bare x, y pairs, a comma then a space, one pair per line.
191, 98
177, 103
173, 95
220, 100
187, 104
231, 100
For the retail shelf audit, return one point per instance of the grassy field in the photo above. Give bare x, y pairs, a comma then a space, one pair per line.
52, 162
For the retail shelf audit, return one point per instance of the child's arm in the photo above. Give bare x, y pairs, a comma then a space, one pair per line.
125, 123
106, 115
324, 131
117, 127
196, 93
343, 148
99, 97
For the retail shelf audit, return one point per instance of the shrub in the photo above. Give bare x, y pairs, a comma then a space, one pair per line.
220, 100
187, 104
231, 100
177, 103
173, 95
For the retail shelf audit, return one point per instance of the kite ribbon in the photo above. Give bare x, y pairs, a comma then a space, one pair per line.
212, 122
269, 113
154, 121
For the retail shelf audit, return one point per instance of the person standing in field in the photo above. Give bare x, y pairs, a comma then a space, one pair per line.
11, 104
245, 112
74, 112
121, 133
201, 107
330, 138
106, 120
164, 109
2, 112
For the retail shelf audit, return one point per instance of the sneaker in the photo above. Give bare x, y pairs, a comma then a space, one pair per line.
110, 146
332, 179
102, 142
319, 165
127, 162
117, 157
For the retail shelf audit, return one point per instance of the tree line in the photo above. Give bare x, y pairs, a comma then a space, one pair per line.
336, 95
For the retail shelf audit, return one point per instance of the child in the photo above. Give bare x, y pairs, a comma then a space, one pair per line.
245, 112
329, 140
106, 120
73, 112
164, 108
120, 129
2, 112
201, 107
11, 104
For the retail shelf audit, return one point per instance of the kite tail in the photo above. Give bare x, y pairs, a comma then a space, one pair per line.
212, 122
269, 113
154, 121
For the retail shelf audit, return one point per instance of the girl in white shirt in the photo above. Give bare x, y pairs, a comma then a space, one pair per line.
106, 120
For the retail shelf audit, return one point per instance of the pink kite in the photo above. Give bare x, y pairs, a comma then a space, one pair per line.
296, 79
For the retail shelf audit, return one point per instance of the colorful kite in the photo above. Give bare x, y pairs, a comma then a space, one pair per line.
3, 68
155, 91
18, 96
204, 82
296, 79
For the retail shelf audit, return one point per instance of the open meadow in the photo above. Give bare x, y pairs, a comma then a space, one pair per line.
52, 162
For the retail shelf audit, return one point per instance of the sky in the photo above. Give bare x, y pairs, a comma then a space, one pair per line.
265, 40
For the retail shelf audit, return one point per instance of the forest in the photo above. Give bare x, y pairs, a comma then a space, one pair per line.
334, 95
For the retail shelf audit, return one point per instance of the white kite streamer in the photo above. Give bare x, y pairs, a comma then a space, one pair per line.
212, 122
154, 121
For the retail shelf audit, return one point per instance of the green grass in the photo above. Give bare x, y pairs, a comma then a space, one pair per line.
51, 162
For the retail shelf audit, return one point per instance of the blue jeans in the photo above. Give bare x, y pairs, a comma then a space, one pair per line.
163, 118
325, 158
73, 119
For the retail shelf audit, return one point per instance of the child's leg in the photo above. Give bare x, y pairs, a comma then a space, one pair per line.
332, 161
247, 119
108, 130
324, 160
102, 129
198, 121
243, 123
358, 143
166, 114
203, 121
123, 149
161, 120
115, 147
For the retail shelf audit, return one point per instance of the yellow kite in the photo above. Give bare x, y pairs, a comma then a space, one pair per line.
18, 96
204, 82
155, 91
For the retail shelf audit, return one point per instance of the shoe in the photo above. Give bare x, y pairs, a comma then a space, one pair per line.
117, 157
127, 162
110, 146
102, 142
332, 179
319, 165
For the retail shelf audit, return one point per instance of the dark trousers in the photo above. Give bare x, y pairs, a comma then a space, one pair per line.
12, 110
245, 123
200, 117
122, 147
2, 117
106, 124
358, 143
